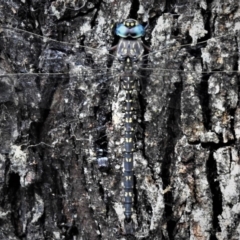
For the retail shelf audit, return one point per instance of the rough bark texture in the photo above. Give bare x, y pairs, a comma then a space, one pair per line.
187, 183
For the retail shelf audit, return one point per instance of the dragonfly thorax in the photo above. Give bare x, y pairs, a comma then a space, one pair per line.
129, 50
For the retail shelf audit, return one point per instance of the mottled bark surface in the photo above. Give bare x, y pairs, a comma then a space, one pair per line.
52, 126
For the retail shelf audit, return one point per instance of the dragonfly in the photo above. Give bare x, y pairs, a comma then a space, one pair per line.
75, 92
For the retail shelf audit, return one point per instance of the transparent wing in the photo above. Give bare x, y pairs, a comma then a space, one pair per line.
69, 91
60, 99
61, 76
69, 72
192, 79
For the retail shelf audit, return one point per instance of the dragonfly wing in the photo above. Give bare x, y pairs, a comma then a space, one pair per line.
60, 121
64, 103
186, 107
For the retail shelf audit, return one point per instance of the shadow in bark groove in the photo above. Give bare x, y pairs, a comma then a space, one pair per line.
133, 12
13, 196
173, 129
204, 100
216, 193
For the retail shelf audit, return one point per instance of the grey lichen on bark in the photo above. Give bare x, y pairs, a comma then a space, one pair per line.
53, 125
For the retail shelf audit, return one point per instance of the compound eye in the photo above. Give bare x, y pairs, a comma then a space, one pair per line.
121, 30
130, 28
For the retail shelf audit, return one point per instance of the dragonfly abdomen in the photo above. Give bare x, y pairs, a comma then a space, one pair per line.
129, 86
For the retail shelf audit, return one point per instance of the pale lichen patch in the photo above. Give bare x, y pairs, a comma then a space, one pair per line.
18, 159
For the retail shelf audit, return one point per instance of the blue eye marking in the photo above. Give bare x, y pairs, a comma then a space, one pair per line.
125, 30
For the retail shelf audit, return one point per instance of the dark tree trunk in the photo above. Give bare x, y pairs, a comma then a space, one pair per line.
53, 127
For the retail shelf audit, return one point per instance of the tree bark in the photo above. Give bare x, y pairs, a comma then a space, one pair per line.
62, 112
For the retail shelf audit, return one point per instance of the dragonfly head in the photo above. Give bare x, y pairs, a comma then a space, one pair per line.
130, 28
